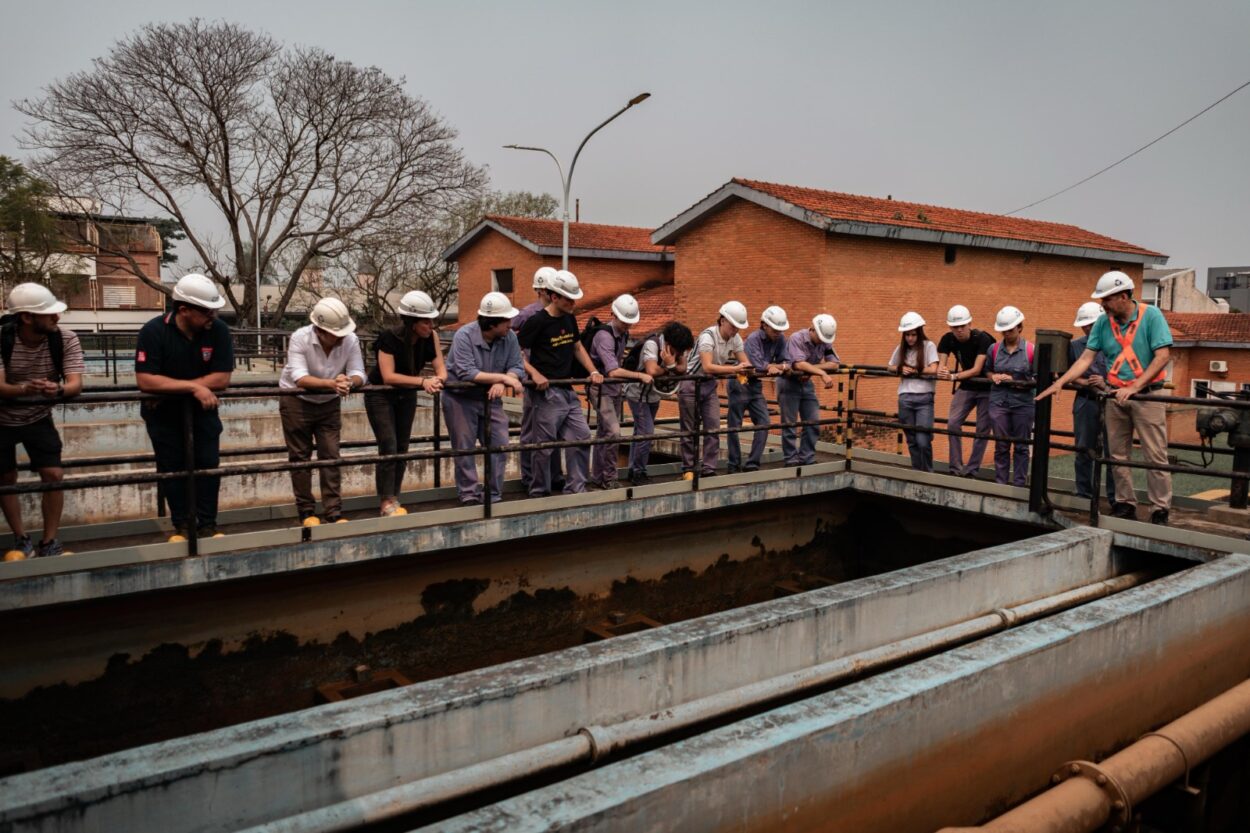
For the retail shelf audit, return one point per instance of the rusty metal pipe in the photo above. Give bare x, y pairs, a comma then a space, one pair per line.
594, 743
1095, 794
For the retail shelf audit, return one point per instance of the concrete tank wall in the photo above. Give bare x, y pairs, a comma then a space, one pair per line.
281, 766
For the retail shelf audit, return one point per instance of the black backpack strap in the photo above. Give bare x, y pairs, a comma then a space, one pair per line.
56, 348
8, 337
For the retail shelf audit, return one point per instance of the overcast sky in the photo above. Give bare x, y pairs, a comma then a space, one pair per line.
984, 106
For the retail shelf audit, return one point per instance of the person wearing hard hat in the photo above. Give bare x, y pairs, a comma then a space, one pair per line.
542, 280
484, 352
1085, 417
766, 351
607, 351
1011, 407
968, 346
405, 357
661, 355
808, 351
323, 361
697, 400
1136, 342
915, 360
41, 360
552, 338
186, 352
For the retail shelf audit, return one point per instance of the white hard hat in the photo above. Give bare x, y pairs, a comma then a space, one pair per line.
910, 321
736, 312
958, 315
565, 283
496, 305
35, 298
1112, 283
198, 291
542, 278
775, 317
417, 304
1008, 319
331, 315
1087, 314
826, 327
625, 308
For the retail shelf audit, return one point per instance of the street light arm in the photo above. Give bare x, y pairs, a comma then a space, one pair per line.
638, 99
541, 150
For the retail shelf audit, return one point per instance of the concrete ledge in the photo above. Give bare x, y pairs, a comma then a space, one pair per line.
284, 765
967, 733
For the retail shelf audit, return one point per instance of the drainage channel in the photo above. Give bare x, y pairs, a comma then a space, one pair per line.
421, 803
250, 650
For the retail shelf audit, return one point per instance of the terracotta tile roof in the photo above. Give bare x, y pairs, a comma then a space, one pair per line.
581, 235
1230, 327
655, 305
850, 207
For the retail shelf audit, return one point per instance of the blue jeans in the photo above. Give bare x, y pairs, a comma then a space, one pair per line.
747, 399
797, 401
1089, 435
698, 403
644, 425
917, 409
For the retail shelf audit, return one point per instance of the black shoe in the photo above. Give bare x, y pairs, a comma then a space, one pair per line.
1127, 511
638, 478
1160, 517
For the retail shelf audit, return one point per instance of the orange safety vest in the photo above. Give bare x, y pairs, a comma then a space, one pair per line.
1125, 339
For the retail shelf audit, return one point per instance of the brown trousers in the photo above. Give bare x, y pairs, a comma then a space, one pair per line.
1148, 420
306, 425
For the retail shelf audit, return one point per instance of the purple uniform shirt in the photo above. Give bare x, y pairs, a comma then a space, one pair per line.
526, 313
762, 351
470, 355
800, 348
607, 349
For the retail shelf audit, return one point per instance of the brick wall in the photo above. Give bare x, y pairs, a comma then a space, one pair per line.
1190, 363
760, 257
601, 279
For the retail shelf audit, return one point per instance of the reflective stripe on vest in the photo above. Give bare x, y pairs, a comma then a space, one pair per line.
1127, 354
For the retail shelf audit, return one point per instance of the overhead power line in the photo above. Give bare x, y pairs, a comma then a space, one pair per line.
1204, 110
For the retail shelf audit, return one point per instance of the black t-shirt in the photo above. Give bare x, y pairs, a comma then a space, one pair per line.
552, 342
163, 349
408, 361
966, 352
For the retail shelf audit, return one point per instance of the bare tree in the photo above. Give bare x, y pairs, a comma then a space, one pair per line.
405, 253
293, 149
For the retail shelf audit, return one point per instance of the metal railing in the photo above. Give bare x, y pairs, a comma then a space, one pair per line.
846, 418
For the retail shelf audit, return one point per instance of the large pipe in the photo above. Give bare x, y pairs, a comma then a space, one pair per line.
594, 743
1094, 794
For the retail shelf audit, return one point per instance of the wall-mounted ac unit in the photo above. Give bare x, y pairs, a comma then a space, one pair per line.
1219, 367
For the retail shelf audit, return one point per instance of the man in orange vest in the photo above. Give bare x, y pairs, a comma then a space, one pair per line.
1136, 341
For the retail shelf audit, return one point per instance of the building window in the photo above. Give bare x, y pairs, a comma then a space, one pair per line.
501, 280
1200, 388
949, 257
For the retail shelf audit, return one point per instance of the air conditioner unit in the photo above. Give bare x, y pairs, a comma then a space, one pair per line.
1219, 367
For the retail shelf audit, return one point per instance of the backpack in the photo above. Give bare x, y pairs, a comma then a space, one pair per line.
1028, 352
8, 339
593, 327
633, 356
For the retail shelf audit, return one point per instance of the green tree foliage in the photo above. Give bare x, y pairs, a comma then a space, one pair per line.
27, 231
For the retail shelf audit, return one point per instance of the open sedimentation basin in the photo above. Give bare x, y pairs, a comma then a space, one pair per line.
494, 636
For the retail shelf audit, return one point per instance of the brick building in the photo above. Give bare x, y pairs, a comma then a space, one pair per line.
502, 253
1210, 350
95, 278
868, 260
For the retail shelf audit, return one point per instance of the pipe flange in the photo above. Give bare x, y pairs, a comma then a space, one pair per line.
1121, 806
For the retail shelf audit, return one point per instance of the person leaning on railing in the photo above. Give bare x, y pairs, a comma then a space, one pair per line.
697, 399
41, 358
660, 354
1136, 341
766, 351
808, 351
968, 346
187, 351
915, 359
607, 351
323, 359
1086, 420
542, 282
1009, 361
484, 352
403, 354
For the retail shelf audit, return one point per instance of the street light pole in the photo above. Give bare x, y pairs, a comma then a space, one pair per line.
567, 181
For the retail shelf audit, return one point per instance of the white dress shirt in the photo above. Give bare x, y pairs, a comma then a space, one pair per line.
306, 357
